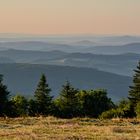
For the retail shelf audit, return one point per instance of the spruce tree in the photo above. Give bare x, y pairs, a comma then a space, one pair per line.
134, 93
68, 101
3, 97
42, 97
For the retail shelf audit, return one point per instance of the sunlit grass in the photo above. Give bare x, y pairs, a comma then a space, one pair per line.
50, 128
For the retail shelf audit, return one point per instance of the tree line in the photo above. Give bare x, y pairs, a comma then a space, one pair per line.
71, 102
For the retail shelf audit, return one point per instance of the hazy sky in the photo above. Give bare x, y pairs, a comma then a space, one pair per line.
70, 16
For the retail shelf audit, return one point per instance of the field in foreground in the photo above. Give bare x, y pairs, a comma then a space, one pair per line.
51, 128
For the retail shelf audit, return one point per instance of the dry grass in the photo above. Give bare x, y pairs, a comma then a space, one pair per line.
51, 128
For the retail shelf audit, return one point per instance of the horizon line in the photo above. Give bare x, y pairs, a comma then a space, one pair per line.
68, 34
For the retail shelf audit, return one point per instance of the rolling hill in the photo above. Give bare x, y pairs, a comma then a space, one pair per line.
23, 78
122, 64
120, 49
82, 46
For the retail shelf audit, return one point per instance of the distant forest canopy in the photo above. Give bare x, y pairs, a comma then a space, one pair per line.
71, 102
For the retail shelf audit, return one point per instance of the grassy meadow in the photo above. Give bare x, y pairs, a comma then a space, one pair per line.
50, 128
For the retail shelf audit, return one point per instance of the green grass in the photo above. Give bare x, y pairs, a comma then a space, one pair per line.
50, 128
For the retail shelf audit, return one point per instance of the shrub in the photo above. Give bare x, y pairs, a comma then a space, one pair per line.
122, 111
113, 113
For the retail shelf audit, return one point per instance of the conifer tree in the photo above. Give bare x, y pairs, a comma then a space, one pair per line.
3, 97
134, 93
68, 101
42, 97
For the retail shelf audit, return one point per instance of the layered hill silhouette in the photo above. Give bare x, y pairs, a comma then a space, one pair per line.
122, 64
23, 79
84, 47
88, 62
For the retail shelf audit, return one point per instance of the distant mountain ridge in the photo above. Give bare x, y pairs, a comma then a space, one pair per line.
88, 61
120, 64
23, 78
127, 48
86, 47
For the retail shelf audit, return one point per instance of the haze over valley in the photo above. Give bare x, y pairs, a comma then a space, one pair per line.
88, 61
69, 69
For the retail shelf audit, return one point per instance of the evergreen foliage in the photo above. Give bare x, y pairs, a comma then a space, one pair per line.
42, 97
71, 102
4, 94
32, 108
67, 103
134, 93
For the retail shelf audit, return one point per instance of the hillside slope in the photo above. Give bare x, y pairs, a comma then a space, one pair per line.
23, 78
122, 64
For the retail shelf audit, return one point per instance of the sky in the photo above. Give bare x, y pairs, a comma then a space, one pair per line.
70, 16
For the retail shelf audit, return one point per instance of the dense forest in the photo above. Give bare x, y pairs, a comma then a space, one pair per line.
71, 102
